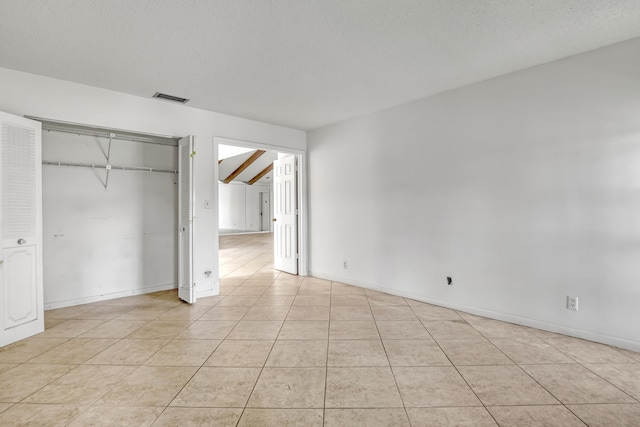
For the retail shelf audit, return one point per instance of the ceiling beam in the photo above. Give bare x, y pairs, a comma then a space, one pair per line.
220, 161
262, 173
244, 165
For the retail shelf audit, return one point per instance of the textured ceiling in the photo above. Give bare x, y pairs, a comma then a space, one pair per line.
300, 63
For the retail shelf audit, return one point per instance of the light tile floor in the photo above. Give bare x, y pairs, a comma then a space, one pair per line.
277, 350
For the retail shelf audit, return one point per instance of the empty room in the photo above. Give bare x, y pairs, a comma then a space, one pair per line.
320, 213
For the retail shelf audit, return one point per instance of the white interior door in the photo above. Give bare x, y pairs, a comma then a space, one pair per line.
186, 285
285, 237
21, 287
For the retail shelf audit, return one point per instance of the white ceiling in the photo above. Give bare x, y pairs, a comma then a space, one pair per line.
300, 63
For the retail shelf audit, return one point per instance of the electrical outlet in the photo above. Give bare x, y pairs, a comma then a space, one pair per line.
345, 265
449, 280
572, 303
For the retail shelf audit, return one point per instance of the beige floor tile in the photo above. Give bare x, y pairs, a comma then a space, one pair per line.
353, 330
282, 290
576, 384
450, 329
505, 385
308, 313
255, 330
186, 312
82, 386
241, 353
225, 313
104, 312
50, 323
238, 301
6, 366
128, 352
357, 353
588, 352
393, 312
144, 313
433, 387
298, 354
289, 388
29, 415
68, 312
183, 353
266, 313
208, 330
338, 288
495, 329
473, 352
385, 300
618, 415
429, 312
70, 328
312, 301
247, 290
218, 388
530, 416
415, 353
210, 301
402, 330
632, 354
351, 313
275, 301
29, 348
5, 406
198, 417
148, 386
74, 351
281, 418
530, 352
116, 328
349, 301
161, 329
361, 388
304, 330
107, 416
366, 417
23, 380
442, 417
626, 376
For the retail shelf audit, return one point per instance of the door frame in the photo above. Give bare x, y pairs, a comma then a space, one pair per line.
301, 155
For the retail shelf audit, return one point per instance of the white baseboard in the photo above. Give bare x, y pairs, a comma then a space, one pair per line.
550, 327
104, 297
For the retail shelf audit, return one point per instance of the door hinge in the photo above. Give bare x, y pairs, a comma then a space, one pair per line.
297, 256
193, 153
297, 212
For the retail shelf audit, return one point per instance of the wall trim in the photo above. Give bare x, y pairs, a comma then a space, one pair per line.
504, 317
105, 297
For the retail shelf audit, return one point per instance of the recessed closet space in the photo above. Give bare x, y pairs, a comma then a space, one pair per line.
109, 213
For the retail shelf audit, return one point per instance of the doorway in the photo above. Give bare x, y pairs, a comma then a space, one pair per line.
265, 200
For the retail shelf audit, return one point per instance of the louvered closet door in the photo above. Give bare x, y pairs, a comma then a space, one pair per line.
21, 288
186, 286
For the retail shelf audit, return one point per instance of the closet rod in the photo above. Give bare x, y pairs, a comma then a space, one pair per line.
110, 167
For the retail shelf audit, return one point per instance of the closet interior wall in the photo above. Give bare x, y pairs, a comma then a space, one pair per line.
107, 239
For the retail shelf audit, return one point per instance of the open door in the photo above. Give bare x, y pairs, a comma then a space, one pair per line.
186, 286
21, 285
285, 238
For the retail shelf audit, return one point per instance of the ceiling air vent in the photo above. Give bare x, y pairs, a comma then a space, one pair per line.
170, 98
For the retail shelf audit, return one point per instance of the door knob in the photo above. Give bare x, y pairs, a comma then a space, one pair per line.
274, 220
21, 241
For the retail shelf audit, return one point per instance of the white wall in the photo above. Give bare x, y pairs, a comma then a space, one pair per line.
524, 189
239, 205
107, 242
28, 94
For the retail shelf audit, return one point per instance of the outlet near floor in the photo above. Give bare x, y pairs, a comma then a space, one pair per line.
572, 303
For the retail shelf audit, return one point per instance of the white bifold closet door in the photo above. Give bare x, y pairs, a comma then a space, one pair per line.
21, 286
186, 285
